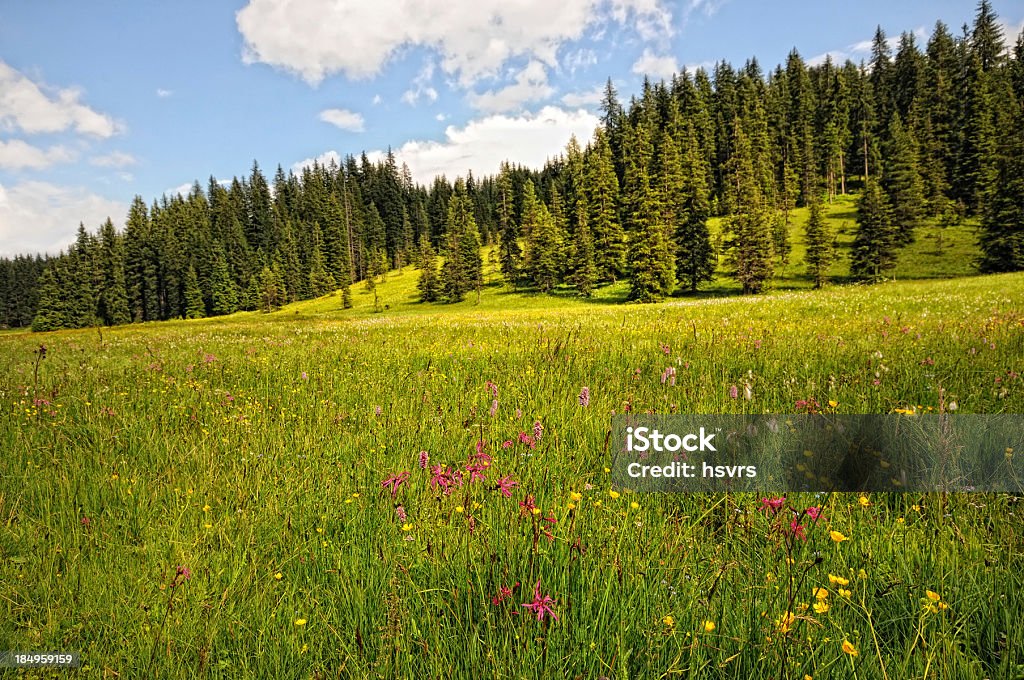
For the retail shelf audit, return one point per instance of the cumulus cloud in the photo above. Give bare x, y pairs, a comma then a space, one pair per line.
16, 154
586, 98
474, 38
421, 87
650, 64
481, 145
114, 159
531, 85
162, 93
34, 108
324, 159
344, 119
39, 217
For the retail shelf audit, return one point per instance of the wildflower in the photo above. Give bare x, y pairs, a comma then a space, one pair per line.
494, 407
785, 622
85, 522
400, 513
541, 605
837, 536
864, 502
576, 496
493, 389
733, 392
424, 459
634, 505
833, 403
814, 512
445, 478
772, 504
820, 607
820, 593
748, 391
407, 527
538, 430
838, 580
584, 398
395, 481
668, 621
861, 574
797, 530
848, 648
709, 626
459, 509
504, 592
527, 505
181, 575
842, 592
376, 410
613, 493
505, 485
932, 595
300, 622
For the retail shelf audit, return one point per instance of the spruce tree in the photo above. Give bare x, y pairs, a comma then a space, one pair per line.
429, 284
1002, 219
508, 229
223, 295
583, 271
463, 266
602, 192
748, 228
651, 262
874, 247
195, 308
820, 248
544, 246
695, 256
903, 181
321, 281
50, 308
113, 294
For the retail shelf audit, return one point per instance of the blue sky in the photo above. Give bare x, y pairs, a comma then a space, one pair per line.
101, 101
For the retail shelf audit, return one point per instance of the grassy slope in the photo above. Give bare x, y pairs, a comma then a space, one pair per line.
250, 446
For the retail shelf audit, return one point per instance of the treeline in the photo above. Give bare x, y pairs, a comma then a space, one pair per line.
920, 133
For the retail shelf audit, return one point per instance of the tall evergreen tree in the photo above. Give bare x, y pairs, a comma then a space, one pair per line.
874, 247
583, 271
462, 270
223, 294
749, 244
195, 308
544, 245
429, 284
820, 249
903, 182
508, 226
602, 192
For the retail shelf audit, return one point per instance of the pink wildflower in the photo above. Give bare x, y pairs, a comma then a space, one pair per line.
541, 605
395, 481
584, 397
424, 459
772, 504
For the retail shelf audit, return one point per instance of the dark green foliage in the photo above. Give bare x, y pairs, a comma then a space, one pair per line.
223, 294
874, 248
463, 266
601, 187
748, 228
544, 260
903, 182
508, 227
194, 305
429, 284
820, 250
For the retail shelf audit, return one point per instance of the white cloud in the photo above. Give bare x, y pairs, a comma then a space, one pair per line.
17, 154
579, 59
860, 50
1010, 32
324, 159
421, 87
440, 117
376, 99
586, 98
474, 38
162, 93
650, 64
34, 108
481, 145
42, 217
114, 159
344, 119
531, 85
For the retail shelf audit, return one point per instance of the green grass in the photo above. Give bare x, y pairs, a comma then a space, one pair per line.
249, 446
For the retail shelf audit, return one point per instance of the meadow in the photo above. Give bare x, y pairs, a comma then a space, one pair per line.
424, 492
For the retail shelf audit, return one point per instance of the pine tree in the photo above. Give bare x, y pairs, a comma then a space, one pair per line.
510, 252
749, 230
602, 192
583, 271
543, 247
321, 281
271, 289
874, 247
463, 266
50, 308
113, 294
651, 262
429, 284
695, 256
1002, 219
820, 248
223, 295
903, 181
195, 308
